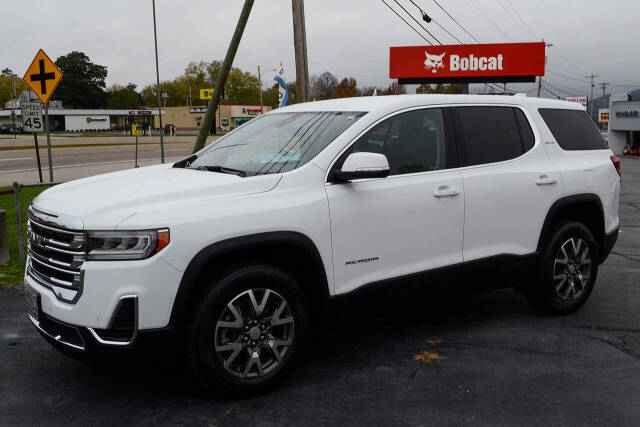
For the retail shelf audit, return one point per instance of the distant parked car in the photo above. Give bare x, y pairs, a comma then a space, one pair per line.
10, 128
605, 136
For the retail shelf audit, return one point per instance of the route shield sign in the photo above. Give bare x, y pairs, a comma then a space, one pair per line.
43, 76
31, 116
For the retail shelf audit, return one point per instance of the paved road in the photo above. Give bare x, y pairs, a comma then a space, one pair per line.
80, 160
501, 363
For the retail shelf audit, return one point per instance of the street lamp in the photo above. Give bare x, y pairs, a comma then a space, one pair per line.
260, 88
155, 40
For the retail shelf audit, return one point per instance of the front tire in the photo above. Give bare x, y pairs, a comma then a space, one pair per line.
247, 329
568, 271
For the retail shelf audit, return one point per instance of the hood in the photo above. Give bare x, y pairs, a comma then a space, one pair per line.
103, 201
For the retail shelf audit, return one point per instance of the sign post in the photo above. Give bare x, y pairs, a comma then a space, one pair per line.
43, 77
137, 132
32, 122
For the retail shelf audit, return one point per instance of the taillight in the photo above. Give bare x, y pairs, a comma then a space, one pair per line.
616, 164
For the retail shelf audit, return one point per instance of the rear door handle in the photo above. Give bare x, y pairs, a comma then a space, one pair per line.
445, 191
546, 180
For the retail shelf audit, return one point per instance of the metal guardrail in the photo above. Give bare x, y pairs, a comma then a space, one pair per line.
16, 200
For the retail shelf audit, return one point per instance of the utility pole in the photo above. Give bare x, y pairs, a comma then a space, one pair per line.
604, 85
592, 76
602, 105
300, 44
222, 77
260, 90
545, 66
155, 39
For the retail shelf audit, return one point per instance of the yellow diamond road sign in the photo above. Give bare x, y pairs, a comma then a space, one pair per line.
43, 76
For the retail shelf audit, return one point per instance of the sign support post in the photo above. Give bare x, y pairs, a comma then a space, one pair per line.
46, 121
136, 161
43, 77
35, 141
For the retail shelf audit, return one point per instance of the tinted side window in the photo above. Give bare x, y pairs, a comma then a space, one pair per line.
488, 134
528, 140
413, 142
573, 129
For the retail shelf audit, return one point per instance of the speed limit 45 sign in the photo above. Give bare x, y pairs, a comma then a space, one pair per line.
32, 116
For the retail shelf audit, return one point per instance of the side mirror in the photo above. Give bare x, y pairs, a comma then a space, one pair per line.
363, 165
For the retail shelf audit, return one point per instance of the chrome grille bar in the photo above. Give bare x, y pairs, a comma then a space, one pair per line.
56, 255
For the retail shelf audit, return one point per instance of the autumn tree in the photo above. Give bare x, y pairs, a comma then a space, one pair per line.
6, 86
347, 88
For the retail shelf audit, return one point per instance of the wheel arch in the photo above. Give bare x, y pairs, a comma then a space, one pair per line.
585, 208
291, 251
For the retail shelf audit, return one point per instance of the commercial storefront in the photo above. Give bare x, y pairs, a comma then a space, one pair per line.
624, 125
227, 116
69, 120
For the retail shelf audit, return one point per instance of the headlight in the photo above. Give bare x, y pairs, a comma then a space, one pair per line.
125, 245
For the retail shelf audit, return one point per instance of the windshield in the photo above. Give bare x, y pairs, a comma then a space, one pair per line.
275, 143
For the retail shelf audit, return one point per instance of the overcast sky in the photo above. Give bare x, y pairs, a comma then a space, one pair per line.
346, 37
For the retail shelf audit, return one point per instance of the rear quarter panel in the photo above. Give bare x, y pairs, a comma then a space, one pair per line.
585, 172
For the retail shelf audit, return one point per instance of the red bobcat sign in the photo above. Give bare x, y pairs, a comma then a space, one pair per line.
467, 62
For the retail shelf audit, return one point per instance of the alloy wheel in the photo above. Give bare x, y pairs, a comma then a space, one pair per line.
572, 268
254, 333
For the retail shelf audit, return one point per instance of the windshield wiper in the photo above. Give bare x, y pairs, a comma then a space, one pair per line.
186, 162
222, 169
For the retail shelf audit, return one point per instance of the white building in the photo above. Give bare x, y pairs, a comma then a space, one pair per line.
624, 124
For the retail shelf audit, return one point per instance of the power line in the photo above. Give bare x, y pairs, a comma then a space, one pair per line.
566, 77
454, 20
405, 21
569, 93
417, 22
486, 16
435, 22
551, 92
523, 21
510, 15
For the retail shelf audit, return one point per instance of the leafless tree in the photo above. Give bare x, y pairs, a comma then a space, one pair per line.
324, 85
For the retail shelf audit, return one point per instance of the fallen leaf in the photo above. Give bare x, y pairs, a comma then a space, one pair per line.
427, 356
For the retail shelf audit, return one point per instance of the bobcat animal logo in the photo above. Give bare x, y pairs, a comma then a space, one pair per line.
433, 62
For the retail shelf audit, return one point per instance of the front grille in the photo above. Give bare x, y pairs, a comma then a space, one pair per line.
56, 255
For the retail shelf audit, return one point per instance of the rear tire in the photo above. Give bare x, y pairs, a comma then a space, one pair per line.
568, 270
247, 329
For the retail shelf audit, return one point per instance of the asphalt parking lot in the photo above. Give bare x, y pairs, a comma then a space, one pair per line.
492, 359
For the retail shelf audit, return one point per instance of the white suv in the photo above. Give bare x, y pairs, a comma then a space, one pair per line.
237, 252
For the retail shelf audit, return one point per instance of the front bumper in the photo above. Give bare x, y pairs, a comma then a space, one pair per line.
87, 343
153, 282
153, 343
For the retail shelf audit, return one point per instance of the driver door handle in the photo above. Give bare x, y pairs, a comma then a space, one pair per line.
445, 191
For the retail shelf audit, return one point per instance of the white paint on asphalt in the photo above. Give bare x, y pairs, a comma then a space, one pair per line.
86, 164
16, 158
